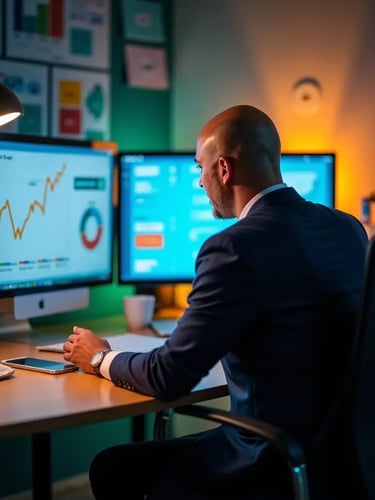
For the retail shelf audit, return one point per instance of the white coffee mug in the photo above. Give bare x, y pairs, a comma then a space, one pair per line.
138, 310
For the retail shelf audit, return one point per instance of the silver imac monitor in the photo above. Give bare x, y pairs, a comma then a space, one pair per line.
56, 226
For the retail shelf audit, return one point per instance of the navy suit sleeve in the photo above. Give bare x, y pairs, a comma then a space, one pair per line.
223, 289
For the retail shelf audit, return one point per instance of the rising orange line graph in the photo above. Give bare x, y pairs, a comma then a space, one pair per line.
49, 186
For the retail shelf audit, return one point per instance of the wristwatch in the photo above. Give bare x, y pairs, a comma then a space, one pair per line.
97, 360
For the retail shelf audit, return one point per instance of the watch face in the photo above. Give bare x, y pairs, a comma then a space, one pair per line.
96, 359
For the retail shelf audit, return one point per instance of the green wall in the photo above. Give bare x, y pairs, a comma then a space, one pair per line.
140, 120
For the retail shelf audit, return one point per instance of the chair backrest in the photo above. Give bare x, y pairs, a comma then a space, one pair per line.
354, 441
360, 402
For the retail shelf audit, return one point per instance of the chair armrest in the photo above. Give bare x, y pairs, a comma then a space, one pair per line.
284, 442
287, 445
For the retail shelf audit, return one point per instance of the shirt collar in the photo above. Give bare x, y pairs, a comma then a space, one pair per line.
254, 199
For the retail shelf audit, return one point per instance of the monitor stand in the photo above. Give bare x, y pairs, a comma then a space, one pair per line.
8, 324
16, 312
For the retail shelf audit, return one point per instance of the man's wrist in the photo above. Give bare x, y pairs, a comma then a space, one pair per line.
97, 360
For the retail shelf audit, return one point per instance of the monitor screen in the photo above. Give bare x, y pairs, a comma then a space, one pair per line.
311, 174
56, 220
164, 216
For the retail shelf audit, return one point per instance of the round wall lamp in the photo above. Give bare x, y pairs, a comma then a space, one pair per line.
307, 94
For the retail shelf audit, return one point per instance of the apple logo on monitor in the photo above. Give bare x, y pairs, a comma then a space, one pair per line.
52, 302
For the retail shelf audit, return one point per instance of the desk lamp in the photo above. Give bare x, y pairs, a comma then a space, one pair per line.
10, 106
10, 109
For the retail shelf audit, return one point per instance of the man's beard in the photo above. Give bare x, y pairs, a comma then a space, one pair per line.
224, 210
217, 213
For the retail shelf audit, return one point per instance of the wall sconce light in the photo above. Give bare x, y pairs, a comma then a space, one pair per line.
307, 94
10, 106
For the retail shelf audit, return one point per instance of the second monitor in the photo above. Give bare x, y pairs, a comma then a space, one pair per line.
164, 216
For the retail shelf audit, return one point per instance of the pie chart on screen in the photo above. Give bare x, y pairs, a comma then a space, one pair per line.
91, 228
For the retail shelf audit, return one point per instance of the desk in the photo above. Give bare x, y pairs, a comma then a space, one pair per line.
38, 403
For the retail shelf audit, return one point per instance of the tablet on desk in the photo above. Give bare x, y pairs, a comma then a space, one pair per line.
40, 365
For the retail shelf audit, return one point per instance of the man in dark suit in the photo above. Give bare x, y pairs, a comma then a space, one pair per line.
275, 298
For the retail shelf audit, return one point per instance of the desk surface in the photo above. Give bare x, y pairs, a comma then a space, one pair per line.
33, 402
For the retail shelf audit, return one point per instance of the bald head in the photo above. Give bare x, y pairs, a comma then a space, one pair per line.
247, 134
243, 142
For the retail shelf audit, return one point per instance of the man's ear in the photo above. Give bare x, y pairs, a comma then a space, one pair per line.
225, 170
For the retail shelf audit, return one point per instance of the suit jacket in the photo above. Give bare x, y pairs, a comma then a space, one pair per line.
275, 298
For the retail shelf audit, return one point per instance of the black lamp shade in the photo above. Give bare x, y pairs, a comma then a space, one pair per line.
10, 106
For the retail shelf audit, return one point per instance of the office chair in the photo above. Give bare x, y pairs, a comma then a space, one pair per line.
287, 445
353, 472
358, 425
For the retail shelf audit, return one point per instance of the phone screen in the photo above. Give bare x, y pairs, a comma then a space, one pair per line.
37, 364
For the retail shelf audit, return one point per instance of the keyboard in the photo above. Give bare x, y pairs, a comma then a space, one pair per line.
132, 342
5, 371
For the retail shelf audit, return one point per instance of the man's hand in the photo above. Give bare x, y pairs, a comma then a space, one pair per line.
82, 344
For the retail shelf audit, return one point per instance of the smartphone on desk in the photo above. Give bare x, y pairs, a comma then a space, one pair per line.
40, 365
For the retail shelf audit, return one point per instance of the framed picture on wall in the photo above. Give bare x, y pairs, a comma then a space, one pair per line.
29, 81
80, 104
142, 21
146, 67
59, 32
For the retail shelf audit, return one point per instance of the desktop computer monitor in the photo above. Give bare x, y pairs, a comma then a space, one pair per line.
56, 225
164, 216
